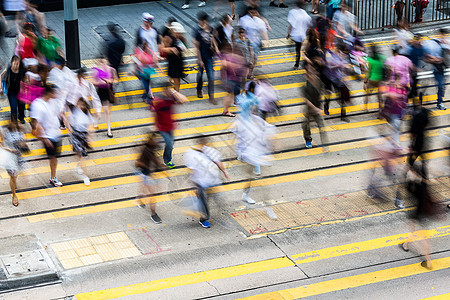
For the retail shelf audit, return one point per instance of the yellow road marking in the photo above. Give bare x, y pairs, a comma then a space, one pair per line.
265, 265
352, 281
373, 244
179, 195
439, 297
156, 285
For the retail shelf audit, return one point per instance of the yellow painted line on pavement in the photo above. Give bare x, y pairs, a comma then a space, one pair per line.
182, 280
350, 282
373, 244
439, 297
229, 272
179, 195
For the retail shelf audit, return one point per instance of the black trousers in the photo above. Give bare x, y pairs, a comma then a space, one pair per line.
298, 47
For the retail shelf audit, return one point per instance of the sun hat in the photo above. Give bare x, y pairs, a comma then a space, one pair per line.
146, 17
177, 27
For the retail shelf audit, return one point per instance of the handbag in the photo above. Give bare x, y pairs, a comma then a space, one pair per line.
28, 93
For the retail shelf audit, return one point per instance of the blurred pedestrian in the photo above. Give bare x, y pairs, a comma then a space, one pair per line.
14, 76
14, 7
27, 42
146, 61
333, 6
84, 89
235, 68
243, 44
206, 48
173, 48
147, 33
104, 79
419, 142
224, 33
13, 141
147, 163
115, 47
399, 65
49, 47
255, 29
205, 165
374, 77
313, 109
253, 146
80, 123
164, 119
299, 22
437, 52
417, 55
267, 95
45, 114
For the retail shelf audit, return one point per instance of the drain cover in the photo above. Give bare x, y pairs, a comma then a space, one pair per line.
103, 32
24, 262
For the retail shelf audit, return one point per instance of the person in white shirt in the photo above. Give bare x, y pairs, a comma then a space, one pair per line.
299, 22
253, 146
80, 122
86, 90
148, 33
255, 28
63, 79
45, 114
205, 164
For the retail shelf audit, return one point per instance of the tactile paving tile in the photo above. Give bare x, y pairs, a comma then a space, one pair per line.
328, 209
94, 250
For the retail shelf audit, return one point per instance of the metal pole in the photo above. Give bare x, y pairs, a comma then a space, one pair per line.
71, 34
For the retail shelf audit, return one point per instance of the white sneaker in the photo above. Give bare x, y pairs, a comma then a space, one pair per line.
55, 182
246, 198
271, 213
202, 3
185, 6
87, 181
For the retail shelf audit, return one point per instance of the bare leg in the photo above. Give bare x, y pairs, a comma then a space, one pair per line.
13, 185
82, 164
53, 164
227, 100
232, 7
150, 93
107, 112
176, 84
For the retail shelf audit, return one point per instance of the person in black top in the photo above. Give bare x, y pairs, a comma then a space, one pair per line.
420, 121
224, 32
115, 47
14, 75
172, 47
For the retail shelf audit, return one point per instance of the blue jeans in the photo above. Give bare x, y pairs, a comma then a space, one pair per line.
208, 62
440, 78
330, 11
168, 140
145, 82
17, 107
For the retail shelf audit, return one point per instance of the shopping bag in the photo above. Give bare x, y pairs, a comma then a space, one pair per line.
192, 206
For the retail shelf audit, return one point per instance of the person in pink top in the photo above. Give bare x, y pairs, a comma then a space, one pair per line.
104, 77
399, 65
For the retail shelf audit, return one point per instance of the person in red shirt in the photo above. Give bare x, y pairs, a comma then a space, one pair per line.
164, 120
28, 43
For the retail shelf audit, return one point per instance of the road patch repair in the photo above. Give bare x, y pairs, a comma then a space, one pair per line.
24, 262
327, 210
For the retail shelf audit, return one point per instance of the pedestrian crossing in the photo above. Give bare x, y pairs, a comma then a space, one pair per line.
295, 168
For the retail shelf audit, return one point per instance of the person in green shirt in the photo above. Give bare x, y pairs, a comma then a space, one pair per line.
49, 46
374, 76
